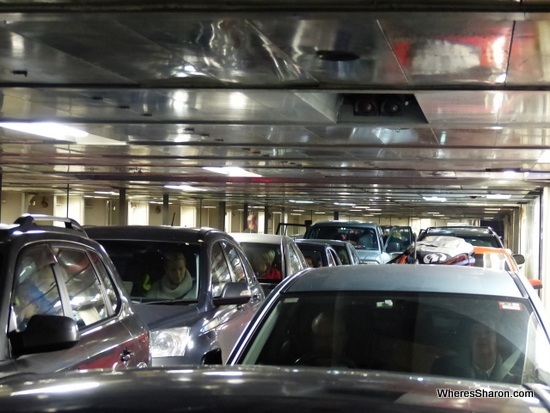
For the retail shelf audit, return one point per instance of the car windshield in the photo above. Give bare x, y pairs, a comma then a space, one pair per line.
156, 271
361, 238
416, 333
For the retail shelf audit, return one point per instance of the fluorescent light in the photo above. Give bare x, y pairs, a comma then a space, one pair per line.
344, 204
233, 171
187, 188
46, 129
106, 192
434, 198
499, 196
296, 201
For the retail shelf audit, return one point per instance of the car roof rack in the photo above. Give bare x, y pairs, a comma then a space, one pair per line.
29, 221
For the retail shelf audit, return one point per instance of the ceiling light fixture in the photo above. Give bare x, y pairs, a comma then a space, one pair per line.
499, 196
187, 188
434, 198
106, 192
46, 129
232, 171
297, 201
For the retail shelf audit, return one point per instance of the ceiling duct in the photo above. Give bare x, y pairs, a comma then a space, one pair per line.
381, 109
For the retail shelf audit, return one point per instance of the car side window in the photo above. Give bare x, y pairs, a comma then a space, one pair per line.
235, 262
83, 286
333, 257
112, 297
219, 270
36, 290
295, 263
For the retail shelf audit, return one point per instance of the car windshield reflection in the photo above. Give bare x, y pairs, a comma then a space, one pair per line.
157, 272
485, 338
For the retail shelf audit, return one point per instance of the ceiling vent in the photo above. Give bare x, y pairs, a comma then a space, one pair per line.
381, 109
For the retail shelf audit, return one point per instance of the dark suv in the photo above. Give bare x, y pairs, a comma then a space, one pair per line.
202, 315
63, 305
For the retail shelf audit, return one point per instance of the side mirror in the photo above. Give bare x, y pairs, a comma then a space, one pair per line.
233, 293
537, 284
45, 333
520, 259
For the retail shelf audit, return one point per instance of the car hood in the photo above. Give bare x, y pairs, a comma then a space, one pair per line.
256, 389
161, 316
368, 255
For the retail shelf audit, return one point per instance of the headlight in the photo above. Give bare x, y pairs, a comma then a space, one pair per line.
370, 262
169, 342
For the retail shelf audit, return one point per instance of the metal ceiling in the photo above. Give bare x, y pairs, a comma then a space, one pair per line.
167, 88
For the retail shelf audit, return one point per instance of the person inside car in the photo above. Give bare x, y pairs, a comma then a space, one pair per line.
176, 281
313, 260
264, 268
485, 361
328, 338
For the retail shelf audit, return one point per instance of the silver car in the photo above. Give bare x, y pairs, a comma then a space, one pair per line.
283, 256
366, 237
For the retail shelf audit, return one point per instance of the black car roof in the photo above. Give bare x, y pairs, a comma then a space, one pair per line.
32, 224
151, 232
406, 278
248, 388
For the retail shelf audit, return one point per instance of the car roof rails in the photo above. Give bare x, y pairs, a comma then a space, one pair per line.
29, 221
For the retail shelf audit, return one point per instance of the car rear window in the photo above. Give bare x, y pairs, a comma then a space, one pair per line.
361, 238
413, 333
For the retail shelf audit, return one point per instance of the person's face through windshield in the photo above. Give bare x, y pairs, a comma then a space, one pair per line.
175, 268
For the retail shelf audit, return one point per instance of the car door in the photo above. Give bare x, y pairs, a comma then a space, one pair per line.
227, 265
113, 338
61, 280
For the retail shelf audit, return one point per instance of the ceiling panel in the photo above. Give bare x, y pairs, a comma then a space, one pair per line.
160, 90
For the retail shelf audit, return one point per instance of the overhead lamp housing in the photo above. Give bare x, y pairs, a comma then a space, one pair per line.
387, 109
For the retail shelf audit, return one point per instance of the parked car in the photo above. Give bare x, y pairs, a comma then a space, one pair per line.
208, 310
273, 257
63, 304
259, 389
321, 253
365, 236
345, 250
413, 319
